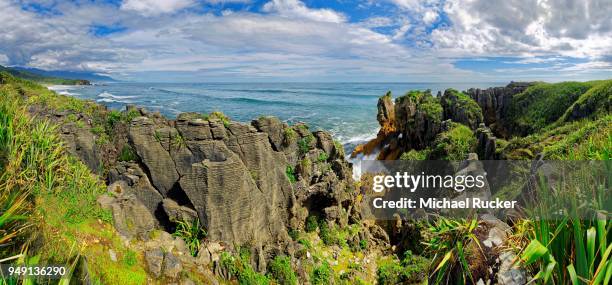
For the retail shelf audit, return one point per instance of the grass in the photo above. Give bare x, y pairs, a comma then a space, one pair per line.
448, 242
586, 139
281, 271
542, 104
192, 233
453, 144
574, 247
50, 196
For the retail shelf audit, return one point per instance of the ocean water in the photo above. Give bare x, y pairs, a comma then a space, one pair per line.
347, 110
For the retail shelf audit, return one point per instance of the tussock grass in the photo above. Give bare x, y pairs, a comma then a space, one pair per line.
48, 209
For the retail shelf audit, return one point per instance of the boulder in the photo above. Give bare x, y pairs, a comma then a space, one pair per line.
154, 259
132, 218
177, 212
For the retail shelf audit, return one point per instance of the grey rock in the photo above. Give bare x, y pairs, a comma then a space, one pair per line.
177, 212
154, 259
172, 266
153, 155
132, 218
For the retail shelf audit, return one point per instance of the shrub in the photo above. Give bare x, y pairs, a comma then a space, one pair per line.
411, 269
322, 157
304, 144
454, 144
280, 269
326, 234
290, 135
290, 174
321, 275
415, 154
311, 224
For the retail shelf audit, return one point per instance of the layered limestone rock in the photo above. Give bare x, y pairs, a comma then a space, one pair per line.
247, 184
416, 119
495, 103
460, 108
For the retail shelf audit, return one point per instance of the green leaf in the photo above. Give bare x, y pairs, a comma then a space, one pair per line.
534, 251
591, 236
601, 269
572, 273
608, 273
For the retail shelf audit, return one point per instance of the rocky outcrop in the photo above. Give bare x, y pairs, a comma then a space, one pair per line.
460, 108
495, 103
415, 120
247, 184
486, 147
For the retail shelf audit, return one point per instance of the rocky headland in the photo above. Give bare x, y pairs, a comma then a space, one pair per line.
259, 194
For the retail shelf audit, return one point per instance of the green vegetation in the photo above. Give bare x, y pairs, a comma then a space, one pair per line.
416, 154
573, 248
41, 79
192, 233
454, 144
239, 268
542, 104
469, 107
580, 140
219, 116
321, 275
48, 195
323, 157
127, 154
290, 135
312, 223
593, 103
281, 271
450, 243
411, 269
305, 143
290, 173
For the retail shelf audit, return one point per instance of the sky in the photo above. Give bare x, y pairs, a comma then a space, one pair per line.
312, 40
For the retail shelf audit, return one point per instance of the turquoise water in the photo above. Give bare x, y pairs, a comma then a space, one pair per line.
347, 110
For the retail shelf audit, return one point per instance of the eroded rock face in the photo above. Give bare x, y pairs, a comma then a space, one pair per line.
495, 103
233, 177
460, 108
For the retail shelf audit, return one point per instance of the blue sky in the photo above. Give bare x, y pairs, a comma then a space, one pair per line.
293, 40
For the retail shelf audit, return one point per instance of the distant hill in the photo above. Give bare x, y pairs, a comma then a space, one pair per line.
66, 74
43, 79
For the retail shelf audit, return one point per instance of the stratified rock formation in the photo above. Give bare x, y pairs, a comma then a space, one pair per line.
247, 184
495, 103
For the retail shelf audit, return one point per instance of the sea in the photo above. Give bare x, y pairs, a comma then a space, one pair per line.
347, 110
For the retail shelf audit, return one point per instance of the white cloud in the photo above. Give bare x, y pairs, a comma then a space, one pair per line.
227, 1
155, 7
297, 9
527, 28
429, 17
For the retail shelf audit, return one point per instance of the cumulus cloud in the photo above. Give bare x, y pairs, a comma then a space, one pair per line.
156, 7
297, 9
527, 27
289, 39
